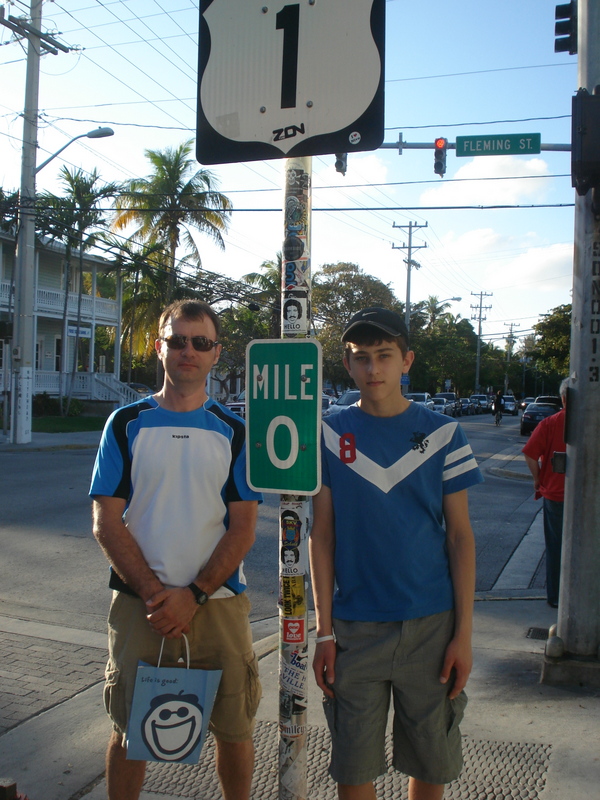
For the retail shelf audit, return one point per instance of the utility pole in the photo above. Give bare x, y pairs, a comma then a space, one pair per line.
294, 510
23, 352
482, 308
412, 226
573, 654
510, 339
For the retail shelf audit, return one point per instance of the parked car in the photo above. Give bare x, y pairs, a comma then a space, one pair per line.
443, 406
553, 400
467, 407
483, 401
534, 414
525, 402
141, 389
510, 405
349, 397
452, 399
424, 398
238, 406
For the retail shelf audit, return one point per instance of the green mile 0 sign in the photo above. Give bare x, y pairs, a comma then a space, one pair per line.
283, 415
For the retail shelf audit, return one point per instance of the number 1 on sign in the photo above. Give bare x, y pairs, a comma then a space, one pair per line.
288, 20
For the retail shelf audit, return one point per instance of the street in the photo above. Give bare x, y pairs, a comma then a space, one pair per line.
52, 570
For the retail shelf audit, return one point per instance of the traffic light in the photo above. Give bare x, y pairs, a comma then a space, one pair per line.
565, 28
6, 330
439, 156
585, 142
341, 162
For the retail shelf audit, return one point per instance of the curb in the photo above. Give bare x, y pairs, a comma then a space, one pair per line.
499, 472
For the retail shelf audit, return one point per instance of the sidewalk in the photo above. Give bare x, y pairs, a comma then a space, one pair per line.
522, 739
54, 441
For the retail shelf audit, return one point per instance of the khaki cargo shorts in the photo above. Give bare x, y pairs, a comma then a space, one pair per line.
220, 638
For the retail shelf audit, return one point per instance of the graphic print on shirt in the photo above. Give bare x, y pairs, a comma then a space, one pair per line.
385, 478
420, 441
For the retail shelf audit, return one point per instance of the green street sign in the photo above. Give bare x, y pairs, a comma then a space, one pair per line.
511, 144
283, 415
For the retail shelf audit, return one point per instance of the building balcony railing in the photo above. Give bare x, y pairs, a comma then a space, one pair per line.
51, 302
86, 386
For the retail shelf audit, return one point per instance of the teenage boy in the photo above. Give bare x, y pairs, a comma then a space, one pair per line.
393, 571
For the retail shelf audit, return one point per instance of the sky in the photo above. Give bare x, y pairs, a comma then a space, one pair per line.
462, 69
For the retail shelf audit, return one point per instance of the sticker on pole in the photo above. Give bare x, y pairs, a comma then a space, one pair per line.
283, 415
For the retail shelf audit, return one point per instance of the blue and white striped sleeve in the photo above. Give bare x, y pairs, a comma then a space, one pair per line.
460, 466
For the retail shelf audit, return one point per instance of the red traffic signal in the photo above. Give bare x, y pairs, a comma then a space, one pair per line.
439, 156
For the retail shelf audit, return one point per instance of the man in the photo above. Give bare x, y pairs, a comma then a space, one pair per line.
498, 404
393, 587
175, 518
547, 439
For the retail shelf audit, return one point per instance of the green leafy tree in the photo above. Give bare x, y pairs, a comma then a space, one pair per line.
9, 211
339, 291
446, 350
239, 325
173, 200
268, 282
435, 312
144, 286
553, 341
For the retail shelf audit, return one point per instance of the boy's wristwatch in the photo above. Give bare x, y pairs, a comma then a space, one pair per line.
199, 594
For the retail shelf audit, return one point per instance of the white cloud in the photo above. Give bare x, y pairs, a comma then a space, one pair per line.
476, 190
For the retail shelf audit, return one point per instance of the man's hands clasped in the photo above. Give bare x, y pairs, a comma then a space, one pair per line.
170, 612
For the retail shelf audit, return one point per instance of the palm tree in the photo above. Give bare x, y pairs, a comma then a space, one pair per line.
9, 206
144, 291
171, 201
74, 219
435, 311
269, 284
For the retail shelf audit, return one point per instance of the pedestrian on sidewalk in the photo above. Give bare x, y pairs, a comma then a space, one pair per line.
393, 572
175, 517
547, 439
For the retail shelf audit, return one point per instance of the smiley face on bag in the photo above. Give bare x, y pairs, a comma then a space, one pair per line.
172, 727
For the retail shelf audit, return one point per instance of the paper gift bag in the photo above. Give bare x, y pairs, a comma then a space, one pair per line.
170, 711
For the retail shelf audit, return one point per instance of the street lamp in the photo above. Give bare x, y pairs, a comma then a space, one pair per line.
97, 133
450, 299
23, 352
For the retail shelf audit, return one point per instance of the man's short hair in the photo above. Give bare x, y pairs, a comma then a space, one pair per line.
189, 310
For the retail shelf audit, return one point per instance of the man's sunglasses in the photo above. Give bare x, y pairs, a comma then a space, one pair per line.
178, 341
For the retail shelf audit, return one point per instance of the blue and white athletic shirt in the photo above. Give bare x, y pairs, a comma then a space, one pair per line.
388, 476
177, 471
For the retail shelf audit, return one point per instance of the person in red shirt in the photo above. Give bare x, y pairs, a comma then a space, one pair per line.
547, 439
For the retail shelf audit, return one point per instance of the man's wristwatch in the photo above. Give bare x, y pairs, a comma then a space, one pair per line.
199, 594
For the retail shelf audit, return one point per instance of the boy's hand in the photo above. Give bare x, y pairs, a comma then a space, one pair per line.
459, 657
324, 666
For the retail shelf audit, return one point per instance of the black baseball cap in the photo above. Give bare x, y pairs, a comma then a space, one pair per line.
377, 317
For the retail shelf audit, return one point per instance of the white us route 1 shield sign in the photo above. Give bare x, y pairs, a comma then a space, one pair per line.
282, 79
283, 415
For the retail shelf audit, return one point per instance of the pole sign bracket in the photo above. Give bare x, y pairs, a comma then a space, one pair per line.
289, 79
283, 415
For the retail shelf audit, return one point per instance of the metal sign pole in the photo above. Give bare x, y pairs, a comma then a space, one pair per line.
293, 509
